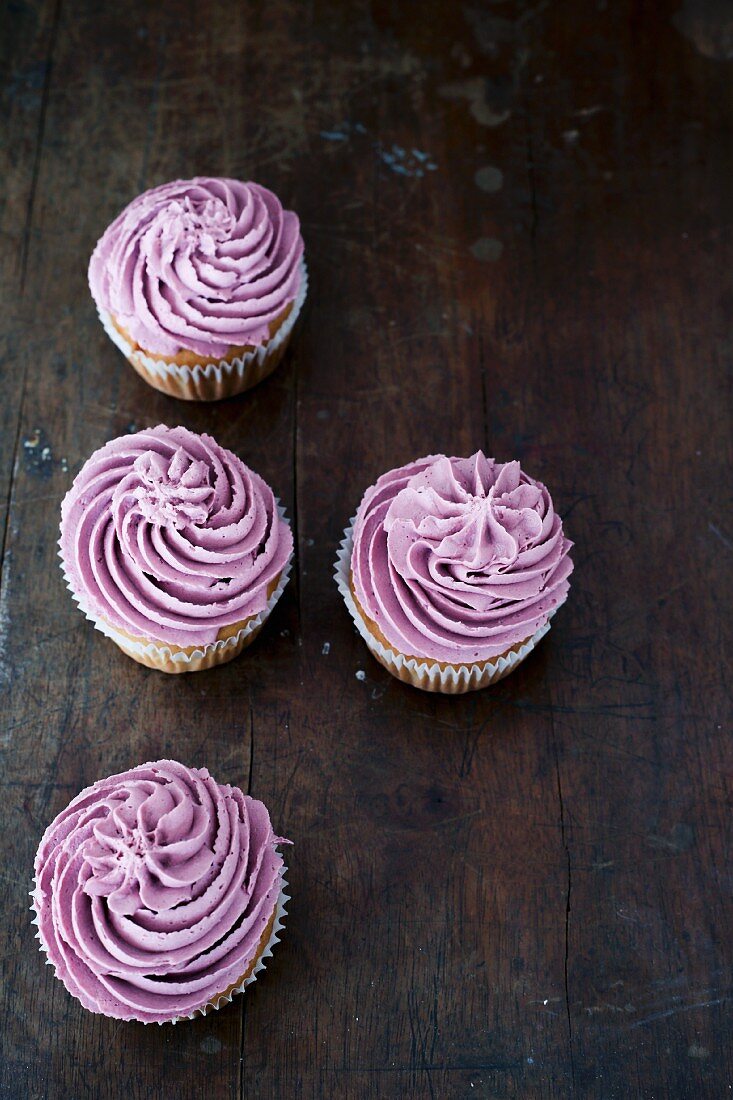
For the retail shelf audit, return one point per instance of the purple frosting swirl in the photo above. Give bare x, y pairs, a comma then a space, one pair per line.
201, 264
170, 537
153, 890
458, 559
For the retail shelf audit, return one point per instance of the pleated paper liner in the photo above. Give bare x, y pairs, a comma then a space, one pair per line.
214, 381
162, 657
260, 964
255, 968
427, 675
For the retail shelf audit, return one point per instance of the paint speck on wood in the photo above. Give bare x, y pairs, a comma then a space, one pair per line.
489, 178
488, 249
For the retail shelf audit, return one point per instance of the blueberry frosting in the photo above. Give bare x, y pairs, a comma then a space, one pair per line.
154, 889
458, 559
201, 264
167, 536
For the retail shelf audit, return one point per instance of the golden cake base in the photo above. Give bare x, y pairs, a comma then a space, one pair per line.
161, 655
208, 378
437, 676
226, 994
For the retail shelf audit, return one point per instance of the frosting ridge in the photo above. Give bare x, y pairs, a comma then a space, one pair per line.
458, 559
168, 536
153, 890
202, 264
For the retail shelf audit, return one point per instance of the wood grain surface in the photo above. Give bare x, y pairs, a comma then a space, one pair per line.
518, 227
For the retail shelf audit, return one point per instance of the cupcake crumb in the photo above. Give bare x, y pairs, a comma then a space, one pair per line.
38, 454
361, 675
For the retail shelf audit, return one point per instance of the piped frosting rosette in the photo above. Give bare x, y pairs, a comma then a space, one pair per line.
173, 547
199, 282
452, 569
158, 893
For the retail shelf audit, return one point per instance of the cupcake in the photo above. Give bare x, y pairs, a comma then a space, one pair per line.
158, 893
199, 284
452, 570
174, 548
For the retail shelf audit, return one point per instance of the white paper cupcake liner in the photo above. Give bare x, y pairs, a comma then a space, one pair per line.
427, 675
260, 965
162, 657
220, 999
215, 380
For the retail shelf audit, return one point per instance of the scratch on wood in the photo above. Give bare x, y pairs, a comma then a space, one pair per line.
680, 1008
720, 536
567, 910
40, 132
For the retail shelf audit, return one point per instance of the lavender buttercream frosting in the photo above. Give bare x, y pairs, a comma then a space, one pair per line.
153, 890
201, 264
458, 559
168, 536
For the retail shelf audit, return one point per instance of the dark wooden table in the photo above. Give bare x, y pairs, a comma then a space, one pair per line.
518, 225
